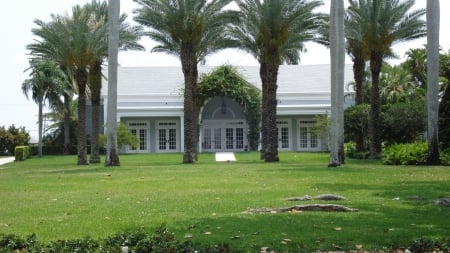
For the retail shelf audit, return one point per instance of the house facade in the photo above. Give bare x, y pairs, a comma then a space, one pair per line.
150, 103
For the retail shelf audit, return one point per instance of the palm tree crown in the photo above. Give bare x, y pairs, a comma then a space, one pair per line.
274, 31
382, 23
273, 26
190, 30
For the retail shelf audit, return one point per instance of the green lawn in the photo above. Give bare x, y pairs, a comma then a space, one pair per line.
56, 199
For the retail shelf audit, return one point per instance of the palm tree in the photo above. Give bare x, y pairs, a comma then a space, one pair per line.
337, 56
45, 83
112, 151
68, 40
353, 33
416, 63
433, 22
128, 37
190, 30
275, 31
384, 23
397, 85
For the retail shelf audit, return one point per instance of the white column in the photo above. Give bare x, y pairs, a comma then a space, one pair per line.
181, 133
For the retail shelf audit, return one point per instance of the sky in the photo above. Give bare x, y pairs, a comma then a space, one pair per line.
16, 22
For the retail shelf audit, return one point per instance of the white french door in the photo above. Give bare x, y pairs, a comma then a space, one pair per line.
223, 136
140, 130
308, 140
284, 134
167, 136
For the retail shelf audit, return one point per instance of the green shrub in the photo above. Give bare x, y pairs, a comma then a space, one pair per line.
445, 157
18, 153
351, 152
138, 241
405, 154
21, 153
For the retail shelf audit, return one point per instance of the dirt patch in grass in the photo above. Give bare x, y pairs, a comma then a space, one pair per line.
301, 208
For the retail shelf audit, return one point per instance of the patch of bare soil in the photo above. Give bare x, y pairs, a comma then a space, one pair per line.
301, 208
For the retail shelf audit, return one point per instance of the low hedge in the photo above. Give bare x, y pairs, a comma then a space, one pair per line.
21, 153
139, 241
162, 240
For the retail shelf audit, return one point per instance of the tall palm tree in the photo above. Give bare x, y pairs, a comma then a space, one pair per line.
353, 33
45, 83
433, 22
190, 30
128, 37
384, 23
275, 31
112, 151
337, 56
68, 40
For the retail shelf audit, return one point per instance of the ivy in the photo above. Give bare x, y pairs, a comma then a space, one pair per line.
226, 81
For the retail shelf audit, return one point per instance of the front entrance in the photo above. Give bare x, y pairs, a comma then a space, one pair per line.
224, 135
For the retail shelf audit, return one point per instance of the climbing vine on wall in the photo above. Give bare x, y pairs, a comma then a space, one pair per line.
228, 82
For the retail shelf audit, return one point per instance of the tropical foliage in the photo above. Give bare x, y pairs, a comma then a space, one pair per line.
226, 81
47, 82
406, 154
444, 106
11, 137
275, 32
380, 24
77, 42
190, 30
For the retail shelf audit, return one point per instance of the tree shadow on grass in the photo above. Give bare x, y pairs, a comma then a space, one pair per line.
389, 216
372, 227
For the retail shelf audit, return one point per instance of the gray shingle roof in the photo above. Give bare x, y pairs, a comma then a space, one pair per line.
169, 80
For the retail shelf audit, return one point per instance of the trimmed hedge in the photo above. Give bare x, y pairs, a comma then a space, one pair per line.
21, 153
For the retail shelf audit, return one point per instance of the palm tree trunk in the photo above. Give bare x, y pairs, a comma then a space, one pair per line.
433, 22
376, 61
40, 122
337, 53
67, 112
81, 79
112, 153
359, 66
269, 115
190, 72
264, 81
95, 73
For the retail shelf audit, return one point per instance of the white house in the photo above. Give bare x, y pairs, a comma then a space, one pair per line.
150, 103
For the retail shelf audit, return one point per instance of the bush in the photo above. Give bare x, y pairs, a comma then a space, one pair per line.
402, 122
351, 152
405, 154
138, 241
445, 157
21, 153
11, 137
356, 125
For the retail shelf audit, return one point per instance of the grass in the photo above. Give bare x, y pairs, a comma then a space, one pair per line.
56, 199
